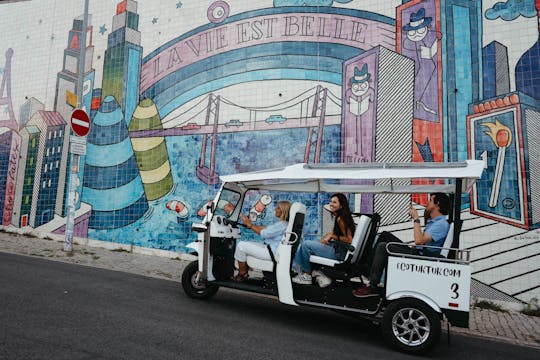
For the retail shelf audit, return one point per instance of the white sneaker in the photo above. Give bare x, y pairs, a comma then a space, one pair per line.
303, 279
323, 280
316, 273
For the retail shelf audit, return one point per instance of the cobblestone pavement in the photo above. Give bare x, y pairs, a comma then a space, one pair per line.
508, 326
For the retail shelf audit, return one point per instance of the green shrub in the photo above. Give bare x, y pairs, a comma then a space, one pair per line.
488, 305
532, 308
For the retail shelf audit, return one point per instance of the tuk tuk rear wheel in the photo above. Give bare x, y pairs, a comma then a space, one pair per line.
411, 326
192, 285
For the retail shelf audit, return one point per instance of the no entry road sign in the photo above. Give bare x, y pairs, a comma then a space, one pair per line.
80, 122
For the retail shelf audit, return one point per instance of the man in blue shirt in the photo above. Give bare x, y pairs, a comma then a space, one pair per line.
434, 234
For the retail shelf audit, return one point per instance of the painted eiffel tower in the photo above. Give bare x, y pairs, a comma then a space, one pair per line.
7, 116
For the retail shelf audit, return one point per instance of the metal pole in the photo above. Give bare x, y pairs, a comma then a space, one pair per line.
74, 159
457, 218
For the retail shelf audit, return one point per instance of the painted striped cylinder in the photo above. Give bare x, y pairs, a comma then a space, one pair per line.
112, 183
151, 153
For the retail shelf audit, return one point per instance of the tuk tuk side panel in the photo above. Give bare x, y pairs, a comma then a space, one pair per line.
283, 274
197, 247
447, 284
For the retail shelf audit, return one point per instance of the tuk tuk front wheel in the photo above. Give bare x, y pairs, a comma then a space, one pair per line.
192, 284
411, 326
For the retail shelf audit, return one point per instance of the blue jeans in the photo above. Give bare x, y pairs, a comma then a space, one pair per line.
308, 248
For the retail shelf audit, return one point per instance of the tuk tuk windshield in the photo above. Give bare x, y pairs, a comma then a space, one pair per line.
227, 202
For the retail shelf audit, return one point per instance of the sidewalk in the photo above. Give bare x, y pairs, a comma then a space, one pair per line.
512, 326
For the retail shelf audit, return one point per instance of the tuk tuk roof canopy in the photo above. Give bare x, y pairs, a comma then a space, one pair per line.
363, 177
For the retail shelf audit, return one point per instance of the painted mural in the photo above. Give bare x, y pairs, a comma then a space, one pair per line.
180, 92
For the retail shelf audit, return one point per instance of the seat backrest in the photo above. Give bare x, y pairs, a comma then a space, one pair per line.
297, 214
364, 256
360, 235
448, 241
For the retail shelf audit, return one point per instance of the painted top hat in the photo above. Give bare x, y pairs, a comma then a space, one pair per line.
360, 76
417, 20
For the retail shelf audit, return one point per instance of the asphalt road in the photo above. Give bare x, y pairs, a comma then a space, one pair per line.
53, 310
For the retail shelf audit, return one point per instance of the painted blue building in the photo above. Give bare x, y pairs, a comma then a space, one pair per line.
528, 70
495, 70
123, 59
112, 184
461, 28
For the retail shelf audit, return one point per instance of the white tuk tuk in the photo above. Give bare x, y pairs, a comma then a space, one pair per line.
418, 290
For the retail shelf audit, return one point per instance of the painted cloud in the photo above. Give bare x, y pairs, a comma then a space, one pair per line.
511, 10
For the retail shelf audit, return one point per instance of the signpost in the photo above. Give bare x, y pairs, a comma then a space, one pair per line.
80, 124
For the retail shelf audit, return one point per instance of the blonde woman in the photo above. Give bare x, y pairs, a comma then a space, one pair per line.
272, 235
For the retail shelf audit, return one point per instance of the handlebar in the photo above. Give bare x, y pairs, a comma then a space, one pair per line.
463, 255
290, 242
233, 223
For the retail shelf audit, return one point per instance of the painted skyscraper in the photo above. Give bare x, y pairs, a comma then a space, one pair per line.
123, 58
66, 100
112, 184
66, 81
10, 145
52, 127
25, 176
528, 66
495, 70
151, 153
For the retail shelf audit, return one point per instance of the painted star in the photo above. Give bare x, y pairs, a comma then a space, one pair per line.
102, 29
179, 5
154, 20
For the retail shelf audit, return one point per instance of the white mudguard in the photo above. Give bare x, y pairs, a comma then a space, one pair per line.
198, 246
446, 284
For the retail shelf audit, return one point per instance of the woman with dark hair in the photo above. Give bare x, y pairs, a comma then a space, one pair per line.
343, 231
